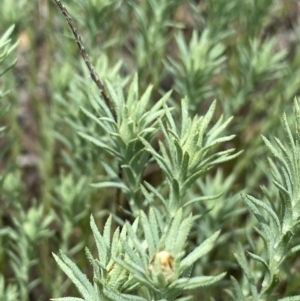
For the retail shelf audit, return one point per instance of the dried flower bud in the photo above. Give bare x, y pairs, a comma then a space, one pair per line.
165, 261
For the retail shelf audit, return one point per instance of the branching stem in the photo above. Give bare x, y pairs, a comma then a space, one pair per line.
85, 57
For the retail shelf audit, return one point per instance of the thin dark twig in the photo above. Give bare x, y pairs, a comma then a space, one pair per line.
85, 57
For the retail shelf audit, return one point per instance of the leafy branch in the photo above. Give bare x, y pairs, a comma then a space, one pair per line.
185, 155
278, 222
154, 264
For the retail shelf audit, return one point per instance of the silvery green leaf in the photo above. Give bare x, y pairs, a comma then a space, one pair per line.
266, 207
199, 251
237, 289
106, 184
217, 129
154, 226
191, 179
133, 256
107, 231
68, 299
149, 234
184, 230
6, 34
114, 295
192, 283
93, 117
135, 242
76, 276
185, 119
156, 193
102, 247
268, 234
99, 143
292, 251
133, 93
260, 259
288, 131
240, 257
171, 237
203, 199
293, 298
137, 272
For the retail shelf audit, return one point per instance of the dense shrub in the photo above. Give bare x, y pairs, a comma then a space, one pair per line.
145, 160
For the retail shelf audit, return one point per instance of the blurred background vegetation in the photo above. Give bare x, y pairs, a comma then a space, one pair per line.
244, 53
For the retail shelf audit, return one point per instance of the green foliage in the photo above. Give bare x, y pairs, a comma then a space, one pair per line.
185, 154
122, 137
279, 221
5, 50
202, 59
156, 265
184, 159
147, 152
8, 293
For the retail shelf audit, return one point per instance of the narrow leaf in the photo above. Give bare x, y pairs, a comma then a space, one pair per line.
76, 276
201, 250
